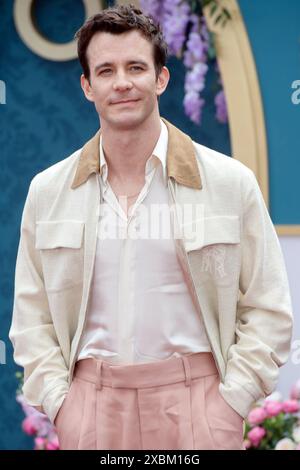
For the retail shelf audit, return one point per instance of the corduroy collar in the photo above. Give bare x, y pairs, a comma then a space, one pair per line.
181, 159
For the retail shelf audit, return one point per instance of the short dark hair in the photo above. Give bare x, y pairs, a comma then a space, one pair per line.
117, 20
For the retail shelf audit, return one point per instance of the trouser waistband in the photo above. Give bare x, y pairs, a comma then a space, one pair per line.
172, 370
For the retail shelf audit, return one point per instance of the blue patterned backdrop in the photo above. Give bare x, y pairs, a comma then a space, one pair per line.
46, 118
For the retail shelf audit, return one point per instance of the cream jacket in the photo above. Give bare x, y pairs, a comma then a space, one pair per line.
234, 266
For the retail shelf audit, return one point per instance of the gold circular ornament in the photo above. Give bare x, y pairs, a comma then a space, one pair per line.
39, 44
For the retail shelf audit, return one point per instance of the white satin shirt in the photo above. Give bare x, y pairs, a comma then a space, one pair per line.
140, 308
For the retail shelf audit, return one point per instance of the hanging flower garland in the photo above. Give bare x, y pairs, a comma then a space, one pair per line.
188, 38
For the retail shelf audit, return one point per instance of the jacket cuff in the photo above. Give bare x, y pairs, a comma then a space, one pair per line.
241, 399
53, 401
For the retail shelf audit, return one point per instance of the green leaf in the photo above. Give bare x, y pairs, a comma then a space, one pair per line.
226, 13
219, 17
213, 9
207, 2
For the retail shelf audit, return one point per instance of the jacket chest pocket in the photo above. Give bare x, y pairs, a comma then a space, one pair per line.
62, 252
213, 248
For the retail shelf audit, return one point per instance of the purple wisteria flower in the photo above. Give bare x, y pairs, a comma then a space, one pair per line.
221, 108
195, 58
193, 105
196, 50
195, 78
177, 20
154, 8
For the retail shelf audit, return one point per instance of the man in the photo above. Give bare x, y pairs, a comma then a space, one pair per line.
139, 339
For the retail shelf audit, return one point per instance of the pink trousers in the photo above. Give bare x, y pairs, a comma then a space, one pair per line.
173, 404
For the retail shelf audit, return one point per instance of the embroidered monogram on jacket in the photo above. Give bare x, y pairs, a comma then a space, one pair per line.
213, 260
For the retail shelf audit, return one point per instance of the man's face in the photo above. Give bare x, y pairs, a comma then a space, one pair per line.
122, 68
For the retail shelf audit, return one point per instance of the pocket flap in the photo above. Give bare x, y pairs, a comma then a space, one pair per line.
59, 233
211, 230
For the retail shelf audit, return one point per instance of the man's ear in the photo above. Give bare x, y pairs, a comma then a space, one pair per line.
86, 87
162, 81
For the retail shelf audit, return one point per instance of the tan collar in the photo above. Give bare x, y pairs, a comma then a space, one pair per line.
181, 159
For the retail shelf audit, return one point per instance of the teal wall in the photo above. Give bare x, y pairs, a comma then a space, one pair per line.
274, 32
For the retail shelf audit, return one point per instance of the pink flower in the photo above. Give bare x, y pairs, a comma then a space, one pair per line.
39, 443
53, 444
295, 391
247, 443
272, 408
28, 426
255, 435
257, 415
290, 406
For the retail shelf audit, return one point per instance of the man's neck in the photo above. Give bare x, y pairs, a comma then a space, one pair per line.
127, 150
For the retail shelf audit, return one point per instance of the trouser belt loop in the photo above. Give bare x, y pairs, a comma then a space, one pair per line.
98, 375
187, 369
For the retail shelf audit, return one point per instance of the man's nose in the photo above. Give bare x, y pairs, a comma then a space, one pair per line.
122, 82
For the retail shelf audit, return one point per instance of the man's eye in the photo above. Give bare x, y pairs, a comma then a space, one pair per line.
109, 70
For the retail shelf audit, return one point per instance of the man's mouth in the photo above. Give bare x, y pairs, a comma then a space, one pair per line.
125, 101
